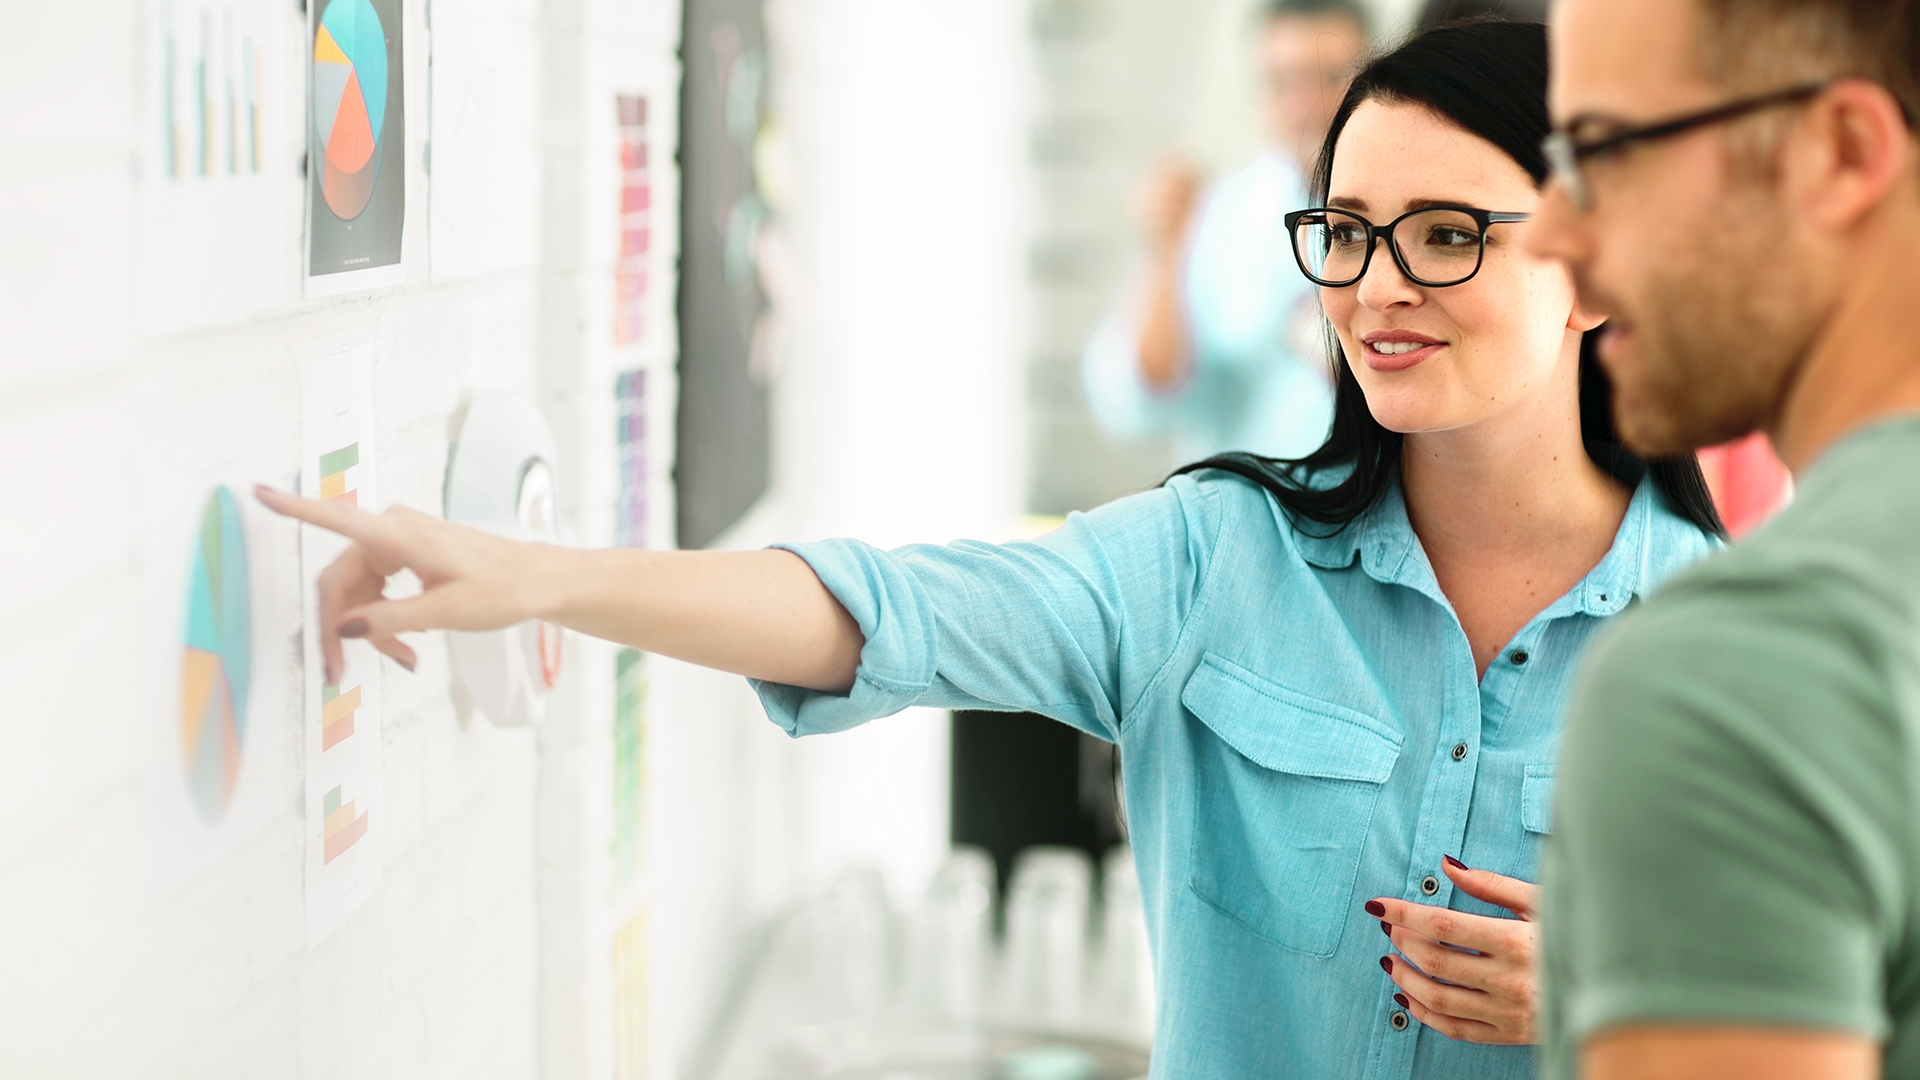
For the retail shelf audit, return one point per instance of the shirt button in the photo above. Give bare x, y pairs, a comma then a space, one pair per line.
1429, 885
1398, 1020
1519, 656
1459, 751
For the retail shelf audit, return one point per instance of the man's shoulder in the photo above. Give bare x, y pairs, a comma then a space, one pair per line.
1848, 547
1773, 647
1857, 513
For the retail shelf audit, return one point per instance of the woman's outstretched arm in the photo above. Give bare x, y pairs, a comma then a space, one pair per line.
762, 614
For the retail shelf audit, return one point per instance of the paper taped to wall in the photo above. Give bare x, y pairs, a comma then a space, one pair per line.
344, 821
219, 626
217, 164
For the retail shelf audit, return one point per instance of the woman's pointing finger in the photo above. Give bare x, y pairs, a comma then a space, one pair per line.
329, 514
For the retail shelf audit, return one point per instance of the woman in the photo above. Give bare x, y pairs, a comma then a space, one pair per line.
1337, 682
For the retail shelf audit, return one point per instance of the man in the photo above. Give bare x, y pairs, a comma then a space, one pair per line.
1733, 889
1216, 340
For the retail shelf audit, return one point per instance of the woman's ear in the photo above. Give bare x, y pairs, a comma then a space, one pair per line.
1584, 319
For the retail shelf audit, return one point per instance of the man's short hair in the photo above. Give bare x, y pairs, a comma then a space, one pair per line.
1440, 12
1315, 9
1759, 44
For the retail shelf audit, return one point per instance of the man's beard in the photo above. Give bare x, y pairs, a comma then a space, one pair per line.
1715, 338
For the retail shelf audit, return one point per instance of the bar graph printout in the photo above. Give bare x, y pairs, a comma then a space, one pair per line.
341, 722
216, 166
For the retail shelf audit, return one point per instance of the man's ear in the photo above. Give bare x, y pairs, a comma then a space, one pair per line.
1854, 149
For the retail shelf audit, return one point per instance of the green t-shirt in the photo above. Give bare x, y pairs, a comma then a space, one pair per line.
1737, 828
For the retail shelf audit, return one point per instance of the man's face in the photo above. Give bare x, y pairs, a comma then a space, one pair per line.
1304, 65
1687, 247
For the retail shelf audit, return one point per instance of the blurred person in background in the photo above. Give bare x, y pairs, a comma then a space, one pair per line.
1733, 888
1216, 338
1337, 681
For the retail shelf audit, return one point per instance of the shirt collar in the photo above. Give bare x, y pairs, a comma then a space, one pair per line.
1653, 541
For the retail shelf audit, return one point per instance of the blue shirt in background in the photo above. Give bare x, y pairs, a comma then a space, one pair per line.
1303, 729
1259, 377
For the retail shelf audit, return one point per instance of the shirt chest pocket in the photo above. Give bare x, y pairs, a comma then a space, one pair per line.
1536, 799
1285, 798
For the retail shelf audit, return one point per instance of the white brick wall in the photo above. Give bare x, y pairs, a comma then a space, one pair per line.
486, 952
476, 957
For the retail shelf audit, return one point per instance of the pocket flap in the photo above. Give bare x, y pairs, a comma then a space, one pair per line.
1536, 799
1287, 731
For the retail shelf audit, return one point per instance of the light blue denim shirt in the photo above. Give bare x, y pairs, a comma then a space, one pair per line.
1302, 728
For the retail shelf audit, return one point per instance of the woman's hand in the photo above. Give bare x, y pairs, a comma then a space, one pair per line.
471, 580
1485, 998
762, 614
1166, 201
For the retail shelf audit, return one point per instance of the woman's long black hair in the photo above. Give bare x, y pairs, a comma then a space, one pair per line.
1490, 77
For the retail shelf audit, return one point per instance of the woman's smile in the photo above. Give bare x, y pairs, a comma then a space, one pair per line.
1399, 350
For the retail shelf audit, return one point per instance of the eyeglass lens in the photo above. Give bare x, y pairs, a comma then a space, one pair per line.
1566, 166
1436, 247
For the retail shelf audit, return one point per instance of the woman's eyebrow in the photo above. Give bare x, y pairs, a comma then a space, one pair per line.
1342, 202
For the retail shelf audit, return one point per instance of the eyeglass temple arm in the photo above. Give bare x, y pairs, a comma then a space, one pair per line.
1582, 151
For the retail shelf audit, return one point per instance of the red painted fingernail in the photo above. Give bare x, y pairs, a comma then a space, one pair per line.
1401, 999
1456, 863
1386, 929
353, 628
1376, 909
1386, 964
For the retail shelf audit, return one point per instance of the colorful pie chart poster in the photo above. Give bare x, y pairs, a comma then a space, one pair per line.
345, 820
216, 659
357, 146
219, 572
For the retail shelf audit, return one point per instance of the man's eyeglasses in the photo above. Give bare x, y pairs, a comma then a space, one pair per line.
1567, 156
1435, 246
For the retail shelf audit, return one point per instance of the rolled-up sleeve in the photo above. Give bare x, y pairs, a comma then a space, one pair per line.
1073, 625
895, 615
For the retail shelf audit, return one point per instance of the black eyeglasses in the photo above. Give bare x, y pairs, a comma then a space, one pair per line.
1434, 246
1567, 156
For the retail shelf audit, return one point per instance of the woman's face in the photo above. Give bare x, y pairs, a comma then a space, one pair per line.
1440, 359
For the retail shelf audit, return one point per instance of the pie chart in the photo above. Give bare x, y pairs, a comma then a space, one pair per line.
349, 102
217, 662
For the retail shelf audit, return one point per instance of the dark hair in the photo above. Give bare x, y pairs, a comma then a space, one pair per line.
1311, 9
1490, 77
